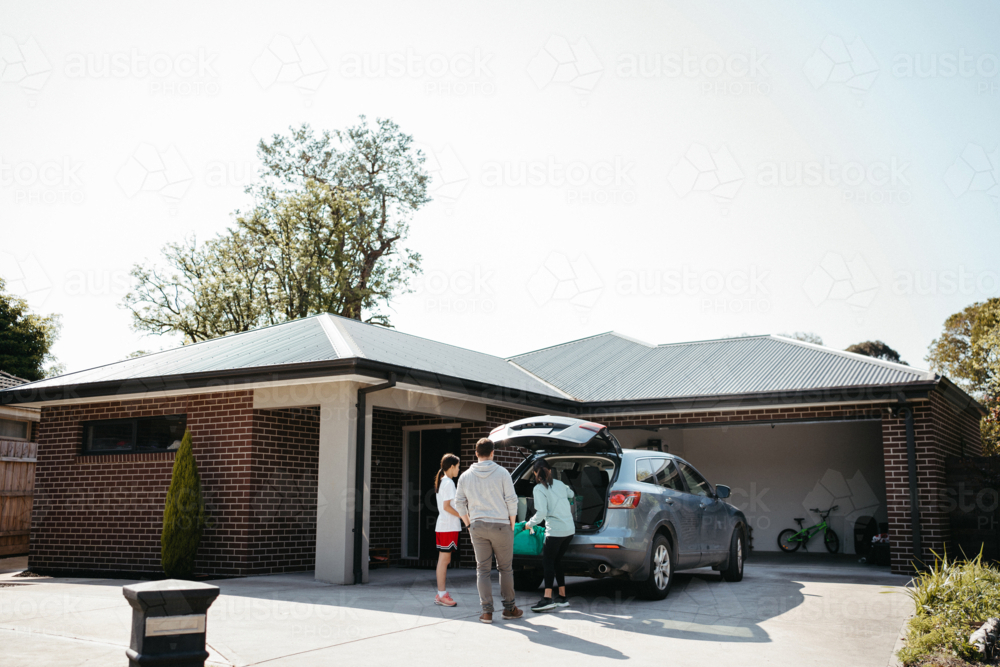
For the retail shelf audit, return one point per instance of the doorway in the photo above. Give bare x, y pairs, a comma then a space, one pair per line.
423, 451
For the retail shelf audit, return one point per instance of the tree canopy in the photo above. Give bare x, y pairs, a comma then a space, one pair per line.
968, 352
325, 233
877, 350
26, 339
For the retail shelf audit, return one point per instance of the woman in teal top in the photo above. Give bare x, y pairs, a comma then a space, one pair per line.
552, 506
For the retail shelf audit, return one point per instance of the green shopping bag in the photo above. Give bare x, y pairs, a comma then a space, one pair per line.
526, 544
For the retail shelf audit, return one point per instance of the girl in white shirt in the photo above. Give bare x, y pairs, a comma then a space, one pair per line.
448, 524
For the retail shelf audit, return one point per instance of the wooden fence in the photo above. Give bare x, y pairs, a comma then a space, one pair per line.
973, 504
17, 488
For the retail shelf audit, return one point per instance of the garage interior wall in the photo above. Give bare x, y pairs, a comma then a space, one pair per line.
778, 473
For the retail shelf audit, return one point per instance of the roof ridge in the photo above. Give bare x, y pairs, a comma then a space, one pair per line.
570, 342
542, 380
342, 343
713, 340
403, 333
857, 357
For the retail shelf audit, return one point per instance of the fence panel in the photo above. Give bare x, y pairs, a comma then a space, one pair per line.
17, 488
973, 504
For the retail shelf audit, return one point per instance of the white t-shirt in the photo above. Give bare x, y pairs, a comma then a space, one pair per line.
446, 523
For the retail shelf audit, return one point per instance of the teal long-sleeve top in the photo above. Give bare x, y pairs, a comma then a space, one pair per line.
552, 506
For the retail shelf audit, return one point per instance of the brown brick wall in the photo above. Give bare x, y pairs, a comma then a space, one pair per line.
284, 475
104, 513
385, 528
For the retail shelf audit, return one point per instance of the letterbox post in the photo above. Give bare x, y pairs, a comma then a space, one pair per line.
168, 622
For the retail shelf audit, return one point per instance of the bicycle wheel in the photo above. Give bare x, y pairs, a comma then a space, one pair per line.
785, 543
832, 541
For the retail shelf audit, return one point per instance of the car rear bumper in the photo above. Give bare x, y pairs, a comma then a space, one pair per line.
586, 560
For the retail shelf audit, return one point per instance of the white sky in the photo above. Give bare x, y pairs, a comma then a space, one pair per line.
891, 110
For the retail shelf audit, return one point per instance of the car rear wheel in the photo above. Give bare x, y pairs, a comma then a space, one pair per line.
734, 571
661, 571
527, 580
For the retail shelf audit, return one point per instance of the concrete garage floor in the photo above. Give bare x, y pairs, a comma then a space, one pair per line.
788, 610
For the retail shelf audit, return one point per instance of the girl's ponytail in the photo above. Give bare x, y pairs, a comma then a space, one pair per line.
543, 471
447, 461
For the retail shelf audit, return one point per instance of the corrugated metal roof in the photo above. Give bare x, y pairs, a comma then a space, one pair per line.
608, 367
319, 338
611, 367
395, 347
292, 342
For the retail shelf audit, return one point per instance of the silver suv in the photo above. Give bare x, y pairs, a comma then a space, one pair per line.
640, 515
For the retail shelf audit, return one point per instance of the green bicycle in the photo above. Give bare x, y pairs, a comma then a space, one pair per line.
790, 540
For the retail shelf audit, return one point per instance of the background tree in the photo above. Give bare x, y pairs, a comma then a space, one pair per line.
877, 350
967, 349
26, 339
325, 233
968, 352
183, 515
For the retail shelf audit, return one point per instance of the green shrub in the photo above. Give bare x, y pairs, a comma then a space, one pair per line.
952, 599
183, 515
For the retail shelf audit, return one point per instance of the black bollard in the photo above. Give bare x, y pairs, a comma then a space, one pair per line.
168, 622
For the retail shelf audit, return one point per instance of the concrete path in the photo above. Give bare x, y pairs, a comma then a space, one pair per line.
785, 611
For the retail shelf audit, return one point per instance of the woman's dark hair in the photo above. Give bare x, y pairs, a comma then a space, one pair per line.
447, 461
543, 472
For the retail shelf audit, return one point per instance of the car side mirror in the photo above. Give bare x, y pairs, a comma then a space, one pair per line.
722, 491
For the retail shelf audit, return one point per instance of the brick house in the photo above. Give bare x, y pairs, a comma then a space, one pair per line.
314, 431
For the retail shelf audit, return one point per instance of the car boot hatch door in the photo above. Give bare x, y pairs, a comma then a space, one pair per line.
557, 434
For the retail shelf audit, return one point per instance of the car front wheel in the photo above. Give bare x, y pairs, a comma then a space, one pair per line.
661, 571
734, 571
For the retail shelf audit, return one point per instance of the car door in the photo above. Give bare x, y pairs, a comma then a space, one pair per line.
713, 517
686, 509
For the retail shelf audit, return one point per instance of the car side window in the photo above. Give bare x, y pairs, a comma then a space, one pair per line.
665, 474
696, 483
644, 471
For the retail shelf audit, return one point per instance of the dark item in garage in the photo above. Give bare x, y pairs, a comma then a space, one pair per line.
879, 554
865, 528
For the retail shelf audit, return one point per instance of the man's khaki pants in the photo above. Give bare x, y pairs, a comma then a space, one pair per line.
489, 540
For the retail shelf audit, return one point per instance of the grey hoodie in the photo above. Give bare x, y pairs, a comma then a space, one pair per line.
486, 493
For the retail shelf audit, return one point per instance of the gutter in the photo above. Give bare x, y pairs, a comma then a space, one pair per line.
359, 474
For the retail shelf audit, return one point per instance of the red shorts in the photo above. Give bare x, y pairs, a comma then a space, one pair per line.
447, 541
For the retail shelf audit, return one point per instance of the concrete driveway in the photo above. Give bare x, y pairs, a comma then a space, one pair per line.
787, 610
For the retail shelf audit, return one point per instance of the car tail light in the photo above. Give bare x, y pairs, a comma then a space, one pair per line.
591, 426
498, 428
607, 546
624, 499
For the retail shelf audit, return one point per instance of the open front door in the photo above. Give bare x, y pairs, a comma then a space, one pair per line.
424, 450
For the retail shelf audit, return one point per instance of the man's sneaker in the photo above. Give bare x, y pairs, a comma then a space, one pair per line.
512, 614
444, 600
545, 604
487, 617
562, 601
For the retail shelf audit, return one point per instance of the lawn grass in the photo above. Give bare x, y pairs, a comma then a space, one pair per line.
952, 599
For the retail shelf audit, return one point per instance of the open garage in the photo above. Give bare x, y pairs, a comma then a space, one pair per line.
779, 471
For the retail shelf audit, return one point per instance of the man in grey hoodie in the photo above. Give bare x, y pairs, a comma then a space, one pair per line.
486, 501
